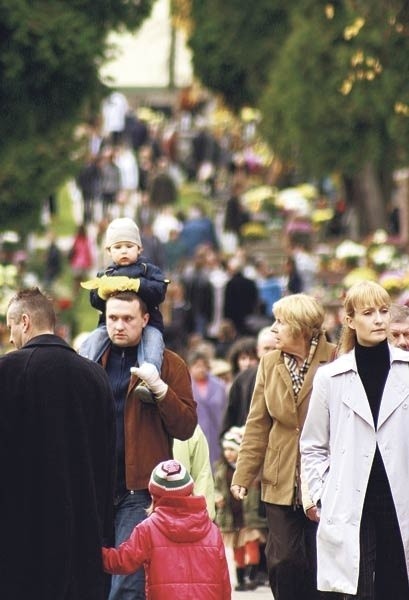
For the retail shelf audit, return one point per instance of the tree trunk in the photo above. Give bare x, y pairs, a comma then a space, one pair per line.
365, 198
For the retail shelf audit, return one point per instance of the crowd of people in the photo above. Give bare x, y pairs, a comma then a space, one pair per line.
217, 407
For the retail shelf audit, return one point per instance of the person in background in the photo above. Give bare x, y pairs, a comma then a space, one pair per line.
241, 389
225, 338
179, 547
355, 456
178, 319
236, 215
307, 264
53, 261
399, 326
293, 281
242, 354
89, 184
269, 286
144, 431
198, 230
222, 369
80, 257
241, 298
110, 180
210, 395
199, 291
242, 526
57, 448
271, 443
194, 456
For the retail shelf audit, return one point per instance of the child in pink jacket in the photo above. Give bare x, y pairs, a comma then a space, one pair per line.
179, 546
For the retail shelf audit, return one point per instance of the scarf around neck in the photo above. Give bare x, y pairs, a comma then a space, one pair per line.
297, 374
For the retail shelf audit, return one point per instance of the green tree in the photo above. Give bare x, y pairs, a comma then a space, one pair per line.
337, 96
50, 56
329, 78
233, 43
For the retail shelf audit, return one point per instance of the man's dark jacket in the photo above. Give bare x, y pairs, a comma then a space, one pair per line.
57, 472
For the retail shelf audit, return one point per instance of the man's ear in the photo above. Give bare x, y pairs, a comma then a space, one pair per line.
145, 319
26, 321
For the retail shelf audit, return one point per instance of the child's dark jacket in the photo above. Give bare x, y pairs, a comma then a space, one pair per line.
153, 285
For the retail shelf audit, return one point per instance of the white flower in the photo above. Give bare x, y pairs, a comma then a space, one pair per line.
380, 237
350, 249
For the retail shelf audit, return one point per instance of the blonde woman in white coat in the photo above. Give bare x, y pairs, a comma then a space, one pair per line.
355, 456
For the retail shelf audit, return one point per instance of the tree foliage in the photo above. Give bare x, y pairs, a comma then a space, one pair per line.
330, 79
340, 106
233, 43
50, 56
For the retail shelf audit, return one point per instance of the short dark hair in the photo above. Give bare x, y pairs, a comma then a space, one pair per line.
33, 302
129, 296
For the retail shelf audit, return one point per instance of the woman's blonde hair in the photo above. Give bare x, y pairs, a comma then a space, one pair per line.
302, 313
361, 295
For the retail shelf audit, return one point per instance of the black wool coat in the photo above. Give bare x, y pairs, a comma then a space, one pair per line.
57, 445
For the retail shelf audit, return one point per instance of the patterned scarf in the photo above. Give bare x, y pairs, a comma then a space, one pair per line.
297, 374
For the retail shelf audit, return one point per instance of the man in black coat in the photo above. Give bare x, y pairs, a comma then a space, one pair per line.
241, 297
57, 455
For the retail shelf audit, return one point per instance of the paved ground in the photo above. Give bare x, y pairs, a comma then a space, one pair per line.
261, 593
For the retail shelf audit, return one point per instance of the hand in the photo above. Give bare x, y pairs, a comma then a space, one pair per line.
109, 285
91, 284
149, 374
313, 513
238, 492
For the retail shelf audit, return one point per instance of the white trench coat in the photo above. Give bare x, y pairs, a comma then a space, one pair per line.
338, 444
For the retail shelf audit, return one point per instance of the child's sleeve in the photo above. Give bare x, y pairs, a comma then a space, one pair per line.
130, 555
153, 285
153, 282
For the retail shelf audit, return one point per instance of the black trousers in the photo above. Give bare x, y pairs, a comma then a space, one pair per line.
382, 567
291, 554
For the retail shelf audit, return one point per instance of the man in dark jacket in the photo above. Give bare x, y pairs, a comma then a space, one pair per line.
57, 443
240, 296
145, 430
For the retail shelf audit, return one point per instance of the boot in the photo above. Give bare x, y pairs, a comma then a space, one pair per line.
241, 585
252, 571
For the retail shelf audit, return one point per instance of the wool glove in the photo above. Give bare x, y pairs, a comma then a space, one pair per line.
107, 285
150, 376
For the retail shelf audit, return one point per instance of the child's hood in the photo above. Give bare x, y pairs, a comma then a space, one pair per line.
182, 519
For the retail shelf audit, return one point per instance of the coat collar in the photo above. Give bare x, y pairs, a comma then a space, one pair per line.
395, 392
47, 339
324, 353
347, 362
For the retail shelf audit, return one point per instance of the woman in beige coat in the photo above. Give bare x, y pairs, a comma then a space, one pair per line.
271, 443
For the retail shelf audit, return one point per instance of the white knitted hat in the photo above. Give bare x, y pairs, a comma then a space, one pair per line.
170, 478
233, 437
122, 230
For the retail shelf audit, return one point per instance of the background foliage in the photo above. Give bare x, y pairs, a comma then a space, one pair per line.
50, 55
329, 79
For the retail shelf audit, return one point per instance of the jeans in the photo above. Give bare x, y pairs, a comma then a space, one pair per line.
129, 511
150, 349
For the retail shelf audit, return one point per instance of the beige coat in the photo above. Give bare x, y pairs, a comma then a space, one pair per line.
273, 427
